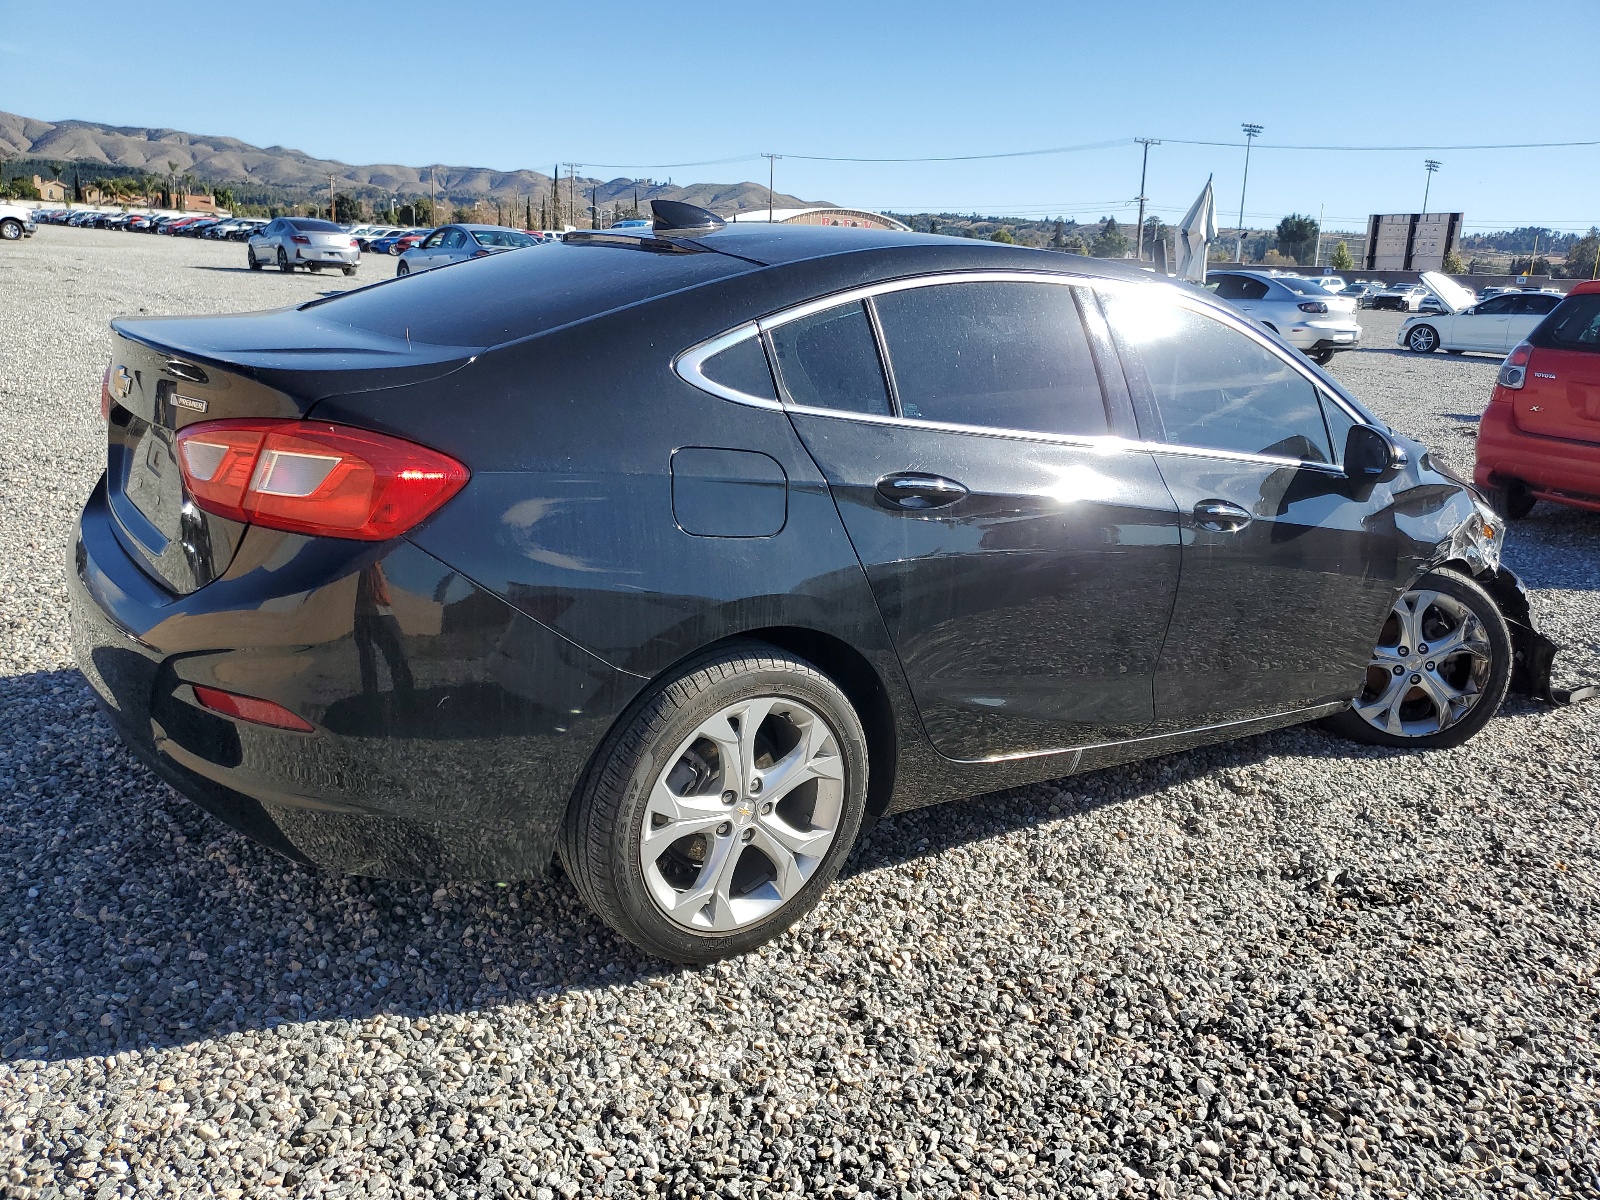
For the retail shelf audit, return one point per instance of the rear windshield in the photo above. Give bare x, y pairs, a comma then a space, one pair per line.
1574, 325
312, 225
488, 301
1304, 287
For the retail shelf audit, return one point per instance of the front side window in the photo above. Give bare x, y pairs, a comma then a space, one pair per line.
1003, 355
1498, 307
1212, 387
830, 360
454, 240
502, 237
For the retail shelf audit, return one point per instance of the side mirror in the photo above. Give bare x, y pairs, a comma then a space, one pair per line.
1371, 455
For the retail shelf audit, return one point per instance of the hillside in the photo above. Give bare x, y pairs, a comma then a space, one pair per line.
277, 174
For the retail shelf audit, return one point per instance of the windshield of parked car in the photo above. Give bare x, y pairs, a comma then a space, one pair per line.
1304, 287
311, 225
502, 237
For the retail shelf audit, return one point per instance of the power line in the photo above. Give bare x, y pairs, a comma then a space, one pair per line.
1483, 146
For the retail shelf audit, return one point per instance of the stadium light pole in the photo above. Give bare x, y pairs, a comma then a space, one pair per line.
772, 173
1143, 168
1251, 132
1430, 165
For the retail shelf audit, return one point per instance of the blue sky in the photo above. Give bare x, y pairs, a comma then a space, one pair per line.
521, 85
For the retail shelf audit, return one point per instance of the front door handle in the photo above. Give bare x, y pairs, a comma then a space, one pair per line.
916, 492
1219, 516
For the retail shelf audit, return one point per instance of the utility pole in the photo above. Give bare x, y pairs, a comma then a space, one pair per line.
333, 209
1143, 167
1431, 165
1251, 132
433, 197
1316, 259
772, 171
594, 205
572, 182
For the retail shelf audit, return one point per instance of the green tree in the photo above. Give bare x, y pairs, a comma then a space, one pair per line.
346, 210
1297, 238
224, 197
1058, 239
1453, 264
1074, 244
1111, 242
1523, 266
1003, 235
1341, 260
1583, 258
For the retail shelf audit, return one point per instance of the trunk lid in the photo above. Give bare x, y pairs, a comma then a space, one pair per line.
1562, 395
1447, 292
168, 373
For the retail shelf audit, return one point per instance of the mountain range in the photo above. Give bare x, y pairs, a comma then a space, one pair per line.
259, 174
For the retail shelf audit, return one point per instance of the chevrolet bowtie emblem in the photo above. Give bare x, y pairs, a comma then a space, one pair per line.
121, 383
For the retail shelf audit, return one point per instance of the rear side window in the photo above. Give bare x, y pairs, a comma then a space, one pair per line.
312, 225
742, 367
1214, 388
1240, 287
999, 355
830, 360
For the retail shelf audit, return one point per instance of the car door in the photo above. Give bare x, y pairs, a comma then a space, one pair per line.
426, 251
1245, 293
1288, 568
262, 244
1484, 327
1528, 310
452, 248
1024, 561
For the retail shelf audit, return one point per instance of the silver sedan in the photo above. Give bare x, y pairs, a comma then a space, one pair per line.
290, 242
456, 243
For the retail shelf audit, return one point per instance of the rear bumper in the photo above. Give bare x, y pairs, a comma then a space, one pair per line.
450, 730
337, 258
1556, 469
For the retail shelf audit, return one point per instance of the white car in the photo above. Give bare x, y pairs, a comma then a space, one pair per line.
16, 222
1306, 316
1494, 325
1328, 283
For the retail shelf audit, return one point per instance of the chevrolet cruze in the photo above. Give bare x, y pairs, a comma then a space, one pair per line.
683, 554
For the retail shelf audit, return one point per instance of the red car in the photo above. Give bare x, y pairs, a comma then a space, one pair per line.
1540, 436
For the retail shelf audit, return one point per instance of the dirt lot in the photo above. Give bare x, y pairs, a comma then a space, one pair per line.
1286, 966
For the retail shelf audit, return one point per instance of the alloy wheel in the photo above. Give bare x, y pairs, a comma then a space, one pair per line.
1423, 339
742, 814
1429, 669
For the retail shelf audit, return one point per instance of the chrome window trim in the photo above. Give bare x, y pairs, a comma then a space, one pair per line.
688, 364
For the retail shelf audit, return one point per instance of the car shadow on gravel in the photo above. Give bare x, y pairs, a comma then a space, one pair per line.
1479, 358
136, 921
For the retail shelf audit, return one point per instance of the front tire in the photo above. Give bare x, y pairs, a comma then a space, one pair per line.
11, 230
716, 815
1439, 672
349, 271
251, 255
1424, 339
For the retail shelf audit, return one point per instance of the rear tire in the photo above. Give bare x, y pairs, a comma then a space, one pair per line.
251, 255
284, 264
403, 269
1321, 357
1512, 500
316, 268
687, 760
349, 271
1424, 339
1433, 696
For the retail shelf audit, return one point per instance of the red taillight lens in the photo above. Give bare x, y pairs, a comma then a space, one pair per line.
1514, 371
105, 394
315, 478
300, 241
249, 708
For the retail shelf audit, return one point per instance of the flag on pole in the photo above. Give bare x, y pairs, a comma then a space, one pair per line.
1198, 231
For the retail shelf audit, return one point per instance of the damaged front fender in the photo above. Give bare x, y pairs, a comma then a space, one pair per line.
1534, 654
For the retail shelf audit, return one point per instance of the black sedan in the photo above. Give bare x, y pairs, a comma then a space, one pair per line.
686, 553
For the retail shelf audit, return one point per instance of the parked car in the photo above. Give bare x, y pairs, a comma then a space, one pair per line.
387, 244
1297, 310
1539, 439
1328, 283
246, 229
1462, 322
16, 222
456, 243
875, 522
309, 242
1402, 297
373, 233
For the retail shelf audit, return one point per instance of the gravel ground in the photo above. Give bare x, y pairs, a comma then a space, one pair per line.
1287, 966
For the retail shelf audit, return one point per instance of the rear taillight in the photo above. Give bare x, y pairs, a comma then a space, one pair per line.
250, 708
300, 241
315, 478
1314, 306
105, 394
1514, 371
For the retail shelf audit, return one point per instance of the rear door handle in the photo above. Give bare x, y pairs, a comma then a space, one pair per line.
916, 492
1219, 516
